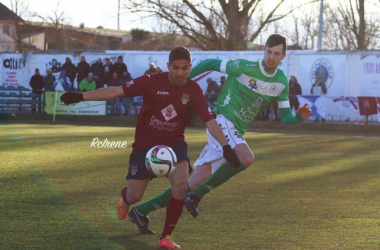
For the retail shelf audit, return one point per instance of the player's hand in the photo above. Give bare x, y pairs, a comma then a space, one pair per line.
305, 111
231, 157
71, 97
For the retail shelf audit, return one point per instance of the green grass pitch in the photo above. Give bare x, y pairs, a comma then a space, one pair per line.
305, 190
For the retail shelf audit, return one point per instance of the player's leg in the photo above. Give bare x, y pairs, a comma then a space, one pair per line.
176, 202
201, 174
222, 173
138, 178
130, 195
225, 171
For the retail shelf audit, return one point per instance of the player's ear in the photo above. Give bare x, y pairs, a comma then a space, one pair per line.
168, 65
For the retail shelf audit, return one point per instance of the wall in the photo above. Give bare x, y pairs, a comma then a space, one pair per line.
347, 73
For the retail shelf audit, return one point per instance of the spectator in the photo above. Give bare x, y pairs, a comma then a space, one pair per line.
88, 83
115, 103
107, 77
37, 83
98, 70
62, 83
120, 67
158, 69
49, 80
294, 90
152, 69
71, 70
222, 80
212, 90
83, 69
113, 81
318, 88
125, 78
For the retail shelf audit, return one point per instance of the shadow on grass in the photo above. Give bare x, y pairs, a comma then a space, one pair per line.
134, 241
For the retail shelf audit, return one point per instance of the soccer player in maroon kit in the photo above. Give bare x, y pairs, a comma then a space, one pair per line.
170, 99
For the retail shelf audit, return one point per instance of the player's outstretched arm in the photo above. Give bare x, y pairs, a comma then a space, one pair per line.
302, 113
206, 65
103, 94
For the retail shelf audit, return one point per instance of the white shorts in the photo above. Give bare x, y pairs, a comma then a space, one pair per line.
213, 151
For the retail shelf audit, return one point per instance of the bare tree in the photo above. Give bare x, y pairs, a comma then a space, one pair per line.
351, 26
215, 24
20, 8
57, 22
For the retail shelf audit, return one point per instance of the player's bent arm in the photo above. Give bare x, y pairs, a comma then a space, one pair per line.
206, 65
288, 117
228, 153
103, 94
214, 129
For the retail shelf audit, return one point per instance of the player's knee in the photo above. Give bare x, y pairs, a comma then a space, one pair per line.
133, 198
179, 190
248, 160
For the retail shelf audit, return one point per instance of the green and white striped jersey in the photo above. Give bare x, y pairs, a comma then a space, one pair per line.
247, 91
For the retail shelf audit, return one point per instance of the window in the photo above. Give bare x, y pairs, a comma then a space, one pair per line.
6, 29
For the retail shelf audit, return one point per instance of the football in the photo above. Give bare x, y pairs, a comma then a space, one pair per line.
161, 160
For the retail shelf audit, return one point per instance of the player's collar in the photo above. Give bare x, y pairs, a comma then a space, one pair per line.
266, 72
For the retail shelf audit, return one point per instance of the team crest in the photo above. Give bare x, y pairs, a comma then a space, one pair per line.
324, 69
129, 83
133, 169
252, 84
185, 99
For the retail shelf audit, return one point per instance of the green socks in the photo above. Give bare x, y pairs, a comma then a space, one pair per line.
157, 202
223, 174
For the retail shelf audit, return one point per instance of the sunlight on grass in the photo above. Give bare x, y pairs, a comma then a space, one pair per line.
304, 191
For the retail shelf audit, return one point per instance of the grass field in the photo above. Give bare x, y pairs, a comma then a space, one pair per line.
306, 190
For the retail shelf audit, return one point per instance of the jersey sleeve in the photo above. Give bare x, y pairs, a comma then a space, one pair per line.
234, 67
288, 117
201, 106
206, 65
283, 98
137, 87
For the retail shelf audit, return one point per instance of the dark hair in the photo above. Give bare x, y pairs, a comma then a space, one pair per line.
179, 53
294, 78
276, 39
120, 57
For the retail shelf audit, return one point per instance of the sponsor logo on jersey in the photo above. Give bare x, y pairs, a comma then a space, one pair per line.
273, 89
162, 92
227, 98
252, 84
133, 169
169, 112
324, 69
163, 125
252, 65
185, 99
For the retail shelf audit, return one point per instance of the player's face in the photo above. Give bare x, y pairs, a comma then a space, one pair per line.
179, 71
273, 56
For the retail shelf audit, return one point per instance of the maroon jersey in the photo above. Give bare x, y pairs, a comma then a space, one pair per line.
166, 109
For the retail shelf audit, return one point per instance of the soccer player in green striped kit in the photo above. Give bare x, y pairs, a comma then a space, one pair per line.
251, 86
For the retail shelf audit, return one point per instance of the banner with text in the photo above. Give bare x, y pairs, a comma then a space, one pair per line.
82, 108
12, 69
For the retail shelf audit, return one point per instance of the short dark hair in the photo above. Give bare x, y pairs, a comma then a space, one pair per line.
274, 40
120, 57
179, 53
